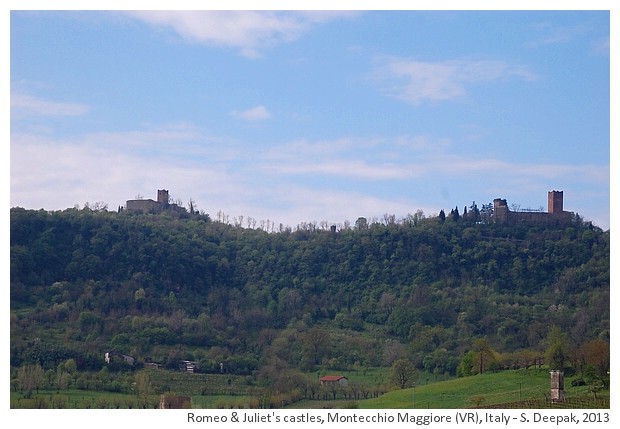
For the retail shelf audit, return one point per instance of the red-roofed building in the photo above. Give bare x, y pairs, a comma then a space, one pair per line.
327, 380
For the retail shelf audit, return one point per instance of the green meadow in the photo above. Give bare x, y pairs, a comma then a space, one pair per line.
505, 389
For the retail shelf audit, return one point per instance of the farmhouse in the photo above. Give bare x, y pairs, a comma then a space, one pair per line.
330, 380
127, 359
188, 365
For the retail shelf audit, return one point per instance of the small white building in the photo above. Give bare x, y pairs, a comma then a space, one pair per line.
188, 365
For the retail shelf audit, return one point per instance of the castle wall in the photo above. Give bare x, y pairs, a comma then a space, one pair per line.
150, 206
555, 216
539, 218
144, 206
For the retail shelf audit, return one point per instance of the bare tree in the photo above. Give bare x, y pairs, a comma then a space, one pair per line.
389, 219
191, 205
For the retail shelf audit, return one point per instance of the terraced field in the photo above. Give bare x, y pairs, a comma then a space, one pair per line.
186, 383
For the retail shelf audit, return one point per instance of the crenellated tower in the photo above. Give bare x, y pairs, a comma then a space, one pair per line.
555, 202
162, 196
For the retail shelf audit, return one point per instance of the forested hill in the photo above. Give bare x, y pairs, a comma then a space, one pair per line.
178, 286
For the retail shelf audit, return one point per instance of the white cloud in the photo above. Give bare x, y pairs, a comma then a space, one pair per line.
416, 81
258, 113
249, 31
353, 168
549, 34
27, 105
56, 173
287, 184
601, 46
300, 203
404, 158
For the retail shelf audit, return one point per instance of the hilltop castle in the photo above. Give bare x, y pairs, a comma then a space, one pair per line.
555, 212
150, 206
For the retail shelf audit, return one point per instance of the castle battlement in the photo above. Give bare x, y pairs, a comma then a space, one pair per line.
555, 212
151, 206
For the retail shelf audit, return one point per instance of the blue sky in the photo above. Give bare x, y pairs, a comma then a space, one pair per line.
311, 116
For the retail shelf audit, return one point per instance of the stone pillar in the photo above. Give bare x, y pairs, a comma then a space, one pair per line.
557, 385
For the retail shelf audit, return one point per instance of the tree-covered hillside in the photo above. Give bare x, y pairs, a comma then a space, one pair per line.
170, 287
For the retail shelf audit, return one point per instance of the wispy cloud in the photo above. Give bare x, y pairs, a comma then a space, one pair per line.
416, 81
352, 169
114, 167
403, 158
549, 34
300, 203
249, 31
28, 105
601, 46
258, 113
458, 166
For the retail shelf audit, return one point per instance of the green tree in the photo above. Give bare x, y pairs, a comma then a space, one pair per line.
139, 297
143, 387
172, 299
454, 214
70, 366
314, 346
474, 213
438, 362
361, 223
88, 321
402, 373
484, 354
62, 378
30, 377
557, 351
466, 367
594, 382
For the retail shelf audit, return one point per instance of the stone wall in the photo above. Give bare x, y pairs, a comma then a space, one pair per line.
555, 216
146, 206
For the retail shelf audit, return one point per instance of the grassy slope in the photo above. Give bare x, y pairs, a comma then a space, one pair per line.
480, 390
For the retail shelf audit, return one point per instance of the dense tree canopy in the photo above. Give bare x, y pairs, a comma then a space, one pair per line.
168, 287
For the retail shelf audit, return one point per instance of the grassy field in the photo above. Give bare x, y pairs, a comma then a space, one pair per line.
184, 383
484, 390
506, 389
79, 399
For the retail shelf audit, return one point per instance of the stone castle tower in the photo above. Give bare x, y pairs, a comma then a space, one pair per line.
150, 206
555, 202
555, 214
162, 196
